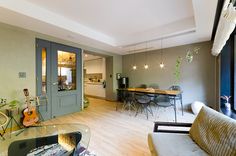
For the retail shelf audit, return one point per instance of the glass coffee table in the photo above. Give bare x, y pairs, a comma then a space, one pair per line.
47, 140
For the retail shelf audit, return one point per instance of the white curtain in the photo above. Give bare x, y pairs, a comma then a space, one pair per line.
225, 28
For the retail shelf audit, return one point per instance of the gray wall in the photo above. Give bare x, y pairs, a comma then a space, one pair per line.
197, 78
113, 66
17, 50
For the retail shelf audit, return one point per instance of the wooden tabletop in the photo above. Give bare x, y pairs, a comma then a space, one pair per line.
153, 91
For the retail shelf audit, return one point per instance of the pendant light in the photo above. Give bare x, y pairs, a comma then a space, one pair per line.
146, 65
134, 67
162, 65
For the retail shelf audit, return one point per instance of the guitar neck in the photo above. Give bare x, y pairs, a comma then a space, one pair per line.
28, 101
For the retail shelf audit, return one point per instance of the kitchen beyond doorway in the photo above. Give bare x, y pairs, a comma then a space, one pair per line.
94, 75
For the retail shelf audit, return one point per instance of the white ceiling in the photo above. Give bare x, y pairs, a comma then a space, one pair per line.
87, 57
115, 26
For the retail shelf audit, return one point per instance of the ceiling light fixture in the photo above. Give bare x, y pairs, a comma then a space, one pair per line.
134, 65
146, 65
162, 65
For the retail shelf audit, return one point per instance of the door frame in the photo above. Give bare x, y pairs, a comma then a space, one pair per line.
47, 112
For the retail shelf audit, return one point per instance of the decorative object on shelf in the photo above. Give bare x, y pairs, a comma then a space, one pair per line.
227, 104
189, 58
196, 106
162, 65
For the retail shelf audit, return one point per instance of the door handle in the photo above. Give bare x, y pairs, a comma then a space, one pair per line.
55, 83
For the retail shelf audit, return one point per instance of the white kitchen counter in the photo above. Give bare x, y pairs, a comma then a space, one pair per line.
94, 89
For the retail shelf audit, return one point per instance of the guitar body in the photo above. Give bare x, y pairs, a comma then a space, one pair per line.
30, 117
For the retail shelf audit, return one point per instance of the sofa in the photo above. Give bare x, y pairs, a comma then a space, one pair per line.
211, 133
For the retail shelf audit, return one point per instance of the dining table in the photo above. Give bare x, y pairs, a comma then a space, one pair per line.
171, 93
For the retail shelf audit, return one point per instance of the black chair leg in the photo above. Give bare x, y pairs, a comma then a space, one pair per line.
181, 101
137, 110
146, 110
1, 135
150, 110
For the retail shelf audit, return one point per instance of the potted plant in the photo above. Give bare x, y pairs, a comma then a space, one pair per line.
177, 70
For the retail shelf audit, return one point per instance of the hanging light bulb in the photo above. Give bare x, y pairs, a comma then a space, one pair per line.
162, 65
134, 67
145, 66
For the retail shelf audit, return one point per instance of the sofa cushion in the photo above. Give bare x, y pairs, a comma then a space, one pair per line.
214, 132
164, 144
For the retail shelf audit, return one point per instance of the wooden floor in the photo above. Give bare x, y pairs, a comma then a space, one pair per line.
119, 133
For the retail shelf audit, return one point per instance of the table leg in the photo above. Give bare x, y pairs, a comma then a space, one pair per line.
181, 104
175, 110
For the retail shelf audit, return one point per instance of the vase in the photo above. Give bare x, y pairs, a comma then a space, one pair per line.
228, 105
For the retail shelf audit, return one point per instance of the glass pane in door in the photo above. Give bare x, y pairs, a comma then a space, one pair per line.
66, 71
44, 71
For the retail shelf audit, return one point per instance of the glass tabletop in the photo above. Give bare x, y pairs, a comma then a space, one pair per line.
58, 139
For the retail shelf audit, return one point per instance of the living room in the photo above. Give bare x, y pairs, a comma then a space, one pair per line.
161, 62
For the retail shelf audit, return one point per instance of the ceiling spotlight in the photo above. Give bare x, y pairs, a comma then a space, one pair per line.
134, 67
162, 65
145, 66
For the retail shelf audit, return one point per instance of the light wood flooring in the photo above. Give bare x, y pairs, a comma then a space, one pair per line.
119, 133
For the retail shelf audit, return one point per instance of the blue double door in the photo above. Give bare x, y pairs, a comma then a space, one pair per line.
59, 78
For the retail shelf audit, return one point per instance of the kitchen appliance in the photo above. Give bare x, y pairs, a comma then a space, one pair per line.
123, 82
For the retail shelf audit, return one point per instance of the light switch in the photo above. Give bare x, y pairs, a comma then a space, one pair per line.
22, 74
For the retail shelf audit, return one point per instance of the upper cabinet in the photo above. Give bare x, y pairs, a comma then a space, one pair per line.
95, 66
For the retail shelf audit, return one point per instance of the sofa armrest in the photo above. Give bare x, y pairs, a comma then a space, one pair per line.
170, 124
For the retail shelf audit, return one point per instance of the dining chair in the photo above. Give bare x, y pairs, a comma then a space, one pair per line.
144, 86
143, 101
128, 101
153, 96
178, 97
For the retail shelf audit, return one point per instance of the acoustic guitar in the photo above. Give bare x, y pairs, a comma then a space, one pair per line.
30, 116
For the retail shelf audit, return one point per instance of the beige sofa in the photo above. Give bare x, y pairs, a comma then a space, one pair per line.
212, 133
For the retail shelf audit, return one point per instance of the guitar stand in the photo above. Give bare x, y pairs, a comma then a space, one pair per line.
1, 135
12, 119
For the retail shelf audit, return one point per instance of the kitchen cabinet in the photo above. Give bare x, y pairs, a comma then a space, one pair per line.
94, 89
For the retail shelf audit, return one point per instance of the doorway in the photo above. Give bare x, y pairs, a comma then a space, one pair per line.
94, 75
59, 78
